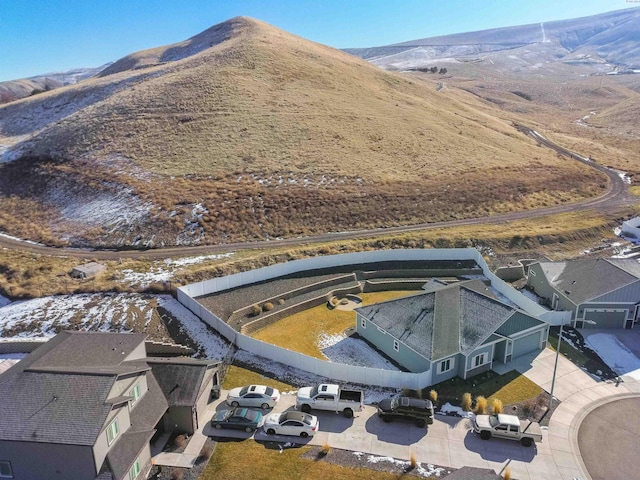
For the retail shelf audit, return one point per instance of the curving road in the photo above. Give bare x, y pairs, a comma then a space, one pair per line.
615, 197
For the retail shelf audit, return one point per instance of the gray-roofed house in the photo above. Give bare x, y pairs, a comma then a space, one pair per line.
602, 290
84, 406
454, 330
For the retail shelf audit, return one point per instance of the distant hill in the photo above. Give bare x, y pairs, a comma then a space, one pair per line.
15, 89
597, 44
247, 132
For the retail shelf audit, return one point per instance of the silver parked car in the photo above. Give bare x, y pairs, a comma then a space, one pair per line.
292, 422
253, 396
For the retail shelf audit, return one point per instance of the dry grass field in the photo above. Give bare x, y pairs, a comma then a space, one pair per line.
271, 136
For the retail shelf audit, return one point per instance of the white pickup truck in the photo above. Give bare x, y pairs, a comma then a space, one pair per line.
330, 397
507, 426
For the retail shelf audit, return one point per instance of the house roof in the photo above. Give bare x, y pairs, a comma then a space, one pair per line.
453, 319
584, 280
54, 407
90, 349
126, 449
180, 379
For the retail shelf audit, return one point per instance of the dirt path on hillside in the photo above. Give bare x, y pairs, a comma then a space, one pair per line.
616, 197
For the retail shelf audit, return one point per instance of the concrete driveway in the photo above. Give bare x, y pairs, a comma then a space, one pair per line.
449, 442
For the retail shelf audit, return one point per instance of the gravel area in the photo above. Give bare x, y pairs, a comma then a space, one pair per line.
382, 464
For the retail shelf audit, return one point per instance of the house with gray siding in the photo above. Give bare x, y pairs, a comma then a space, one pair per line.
604, 291
87, 405
460, 329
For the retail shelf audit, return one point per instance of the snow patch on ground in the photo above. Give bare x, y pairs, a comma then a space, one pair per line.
532, 296
163, 270
614, 354
352, 351
424, 471
213, 346
448, 409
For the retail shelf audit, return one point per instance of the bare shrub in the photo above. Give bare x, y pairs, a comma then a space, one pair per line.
281, 301
267, 306
481, 405
180, 441
496, 406
177, 474
256, 310
433, 395
413, 460
507, 474
205, 453
466, 402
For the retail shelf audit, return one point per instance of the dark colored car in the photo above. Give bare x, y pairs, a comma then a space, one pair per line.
240, 418
405, 408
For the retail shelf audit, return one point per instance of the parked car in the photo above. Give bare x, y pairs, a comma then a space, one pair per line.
507, 426
253, 396
291, 423
405, 408
238, 418
330, 397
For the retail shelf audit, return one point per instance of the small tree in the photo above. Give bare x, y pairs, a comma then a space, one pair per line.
443, 71
434, 69
481, 405
496, 406
433, 395
466, 402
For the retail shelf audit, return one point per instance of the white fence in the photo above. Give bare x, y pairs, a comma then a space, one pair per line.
347, 373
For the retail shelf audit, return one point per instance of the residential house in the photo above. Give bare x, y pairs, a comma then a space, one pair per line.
452, 330
604, 291
87, 405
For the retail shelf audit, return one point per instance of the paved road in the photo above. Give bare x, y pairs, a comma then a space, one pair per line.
609, 438
615, 197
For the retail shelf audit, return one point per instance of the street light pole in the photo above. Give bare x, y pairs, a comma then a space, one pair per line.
555, 367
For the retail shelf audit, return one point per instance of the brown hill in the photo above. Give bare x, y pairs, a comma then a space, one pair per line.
248, 132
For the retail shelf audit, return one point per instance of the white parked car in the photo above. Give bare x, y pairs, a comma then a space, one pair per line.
253, 396
292, 422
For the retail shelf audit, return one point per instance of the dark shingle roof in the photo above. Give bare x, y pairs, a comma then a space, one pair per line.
584, 280
180, 381
148, 411
126, 449
453, 319
53, 407
91, 349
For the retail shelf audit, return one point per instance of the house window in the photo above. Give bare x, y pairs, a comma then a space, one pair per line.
363, 323
445, 365
112, 431
396, 345
5, 469
479, 360
135, 471
135, 393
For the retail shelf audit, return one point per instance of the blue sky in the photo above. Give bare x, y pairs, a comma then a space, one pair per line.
40, 36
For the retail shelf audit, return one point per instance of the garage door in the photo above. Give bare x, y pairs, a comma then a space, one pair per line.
527, 344
611, 319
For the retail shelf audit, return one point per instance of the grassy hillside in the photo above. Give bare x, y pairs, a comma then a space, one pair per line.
260, 135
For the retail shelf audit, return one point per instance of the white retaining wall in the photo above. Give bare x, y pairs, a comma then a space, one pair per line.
347, 373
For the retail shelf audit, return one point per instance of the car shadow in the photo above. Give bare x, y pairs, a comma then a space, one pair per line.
210, 431
333, 422
262, 437
498, 449
399, 432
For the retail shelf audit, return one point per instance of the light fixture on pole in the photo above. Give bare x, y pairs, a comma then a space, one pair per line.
555, 366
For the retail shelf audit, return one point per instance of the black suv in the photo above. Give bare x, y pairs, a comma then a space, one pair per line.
405, 408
